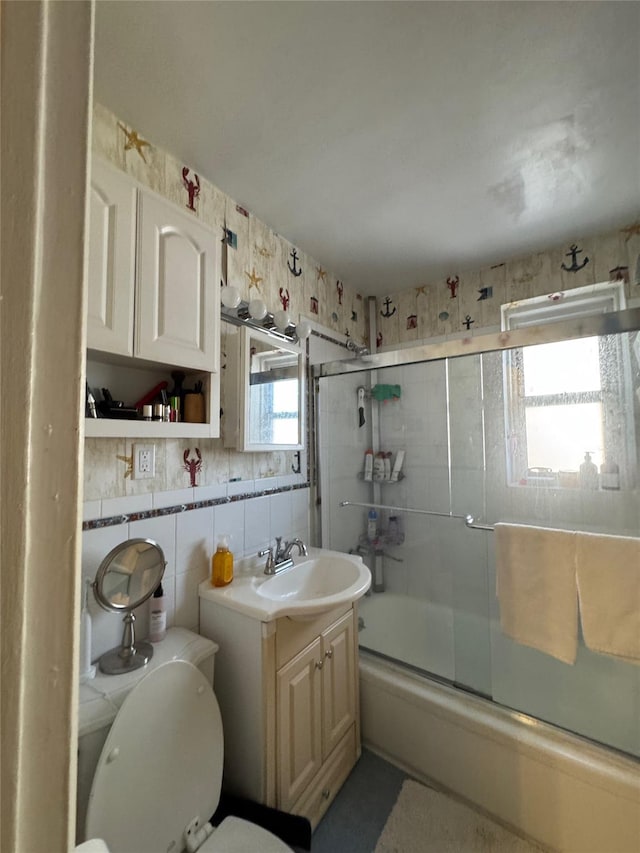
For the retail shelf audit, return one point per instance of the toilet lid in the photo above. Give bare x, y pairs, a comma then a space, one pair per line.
161, 764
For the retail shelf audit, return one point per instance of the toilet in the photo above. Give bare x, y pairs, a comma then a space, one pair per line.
158, 777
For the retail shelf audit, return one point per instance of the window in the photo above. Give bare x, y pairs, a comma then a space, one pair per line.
563, 400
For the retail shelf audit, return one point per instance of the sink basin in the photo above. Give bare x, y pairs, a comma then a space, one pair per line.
315, 578
314, 584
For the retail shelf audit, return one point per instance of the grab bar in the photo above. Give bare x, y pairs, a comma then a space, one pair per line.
469, 520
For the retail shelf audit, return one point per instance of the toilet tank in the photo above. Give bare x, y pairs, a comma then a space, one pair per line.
101, 698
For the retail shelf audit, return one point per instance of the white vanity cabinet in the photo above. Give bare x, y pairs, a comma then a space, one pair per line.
288, 692
153, 301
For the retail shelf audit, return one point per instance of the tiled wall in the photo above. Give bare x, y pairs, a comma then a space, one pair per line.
251, 512
429, 310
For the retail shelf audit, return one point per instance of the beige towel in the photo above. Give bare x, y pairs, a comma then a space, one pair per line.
536, 584
608, 571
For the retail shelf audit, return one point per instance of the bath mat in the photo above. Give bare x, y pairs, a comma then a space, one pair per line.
425, 821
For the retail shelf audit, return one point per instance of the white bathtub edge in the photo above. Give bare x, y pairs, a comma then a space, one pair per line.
565, 792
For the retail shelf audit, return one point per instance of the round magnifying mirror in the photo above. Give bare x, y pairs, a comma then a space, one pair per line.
125, 579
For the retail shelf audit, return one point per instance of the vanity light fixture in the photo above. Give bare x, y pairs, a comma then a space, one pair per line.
256, 315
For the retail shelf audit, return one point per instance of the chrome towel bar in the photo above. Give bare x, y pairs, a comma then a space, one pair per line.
469, 520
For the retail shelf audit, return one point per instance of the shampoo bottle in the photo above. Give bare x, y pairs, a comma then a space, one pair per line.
372, 525
222, 563
378, 467
368, 465
610, 475
157, 616
588, 475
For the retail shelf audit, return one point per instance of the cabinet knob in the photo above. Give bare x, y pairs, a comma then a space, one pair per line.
319, 664
329, 654
326, 793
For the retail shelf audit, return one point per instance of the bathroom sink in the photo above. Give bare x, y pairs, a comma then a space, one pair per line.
315, 578
316, 583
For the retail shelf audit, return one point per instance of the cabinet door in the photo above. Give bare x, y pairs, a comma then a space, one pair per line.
298, 725
111, 267
178, 305
338, 682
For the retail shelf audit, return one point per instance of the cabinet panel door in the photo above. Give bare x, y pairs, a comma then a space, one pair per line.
111, 267
178, 306
338, 682
298, 725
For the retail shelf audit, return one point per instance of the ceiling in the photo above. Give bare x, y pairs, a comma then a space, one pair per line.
395, 142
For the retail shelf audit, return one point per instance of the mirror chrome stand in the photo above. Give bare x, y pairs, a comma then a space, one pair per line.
130, 655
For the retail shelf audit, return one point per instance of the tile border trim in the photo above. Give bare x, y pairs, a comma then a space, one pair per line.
124, 518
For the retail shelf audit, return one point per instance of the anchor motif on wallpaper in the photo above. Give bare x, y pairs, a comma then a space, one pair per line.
387, 313
575, 266
192, 187
295, 270
340, 290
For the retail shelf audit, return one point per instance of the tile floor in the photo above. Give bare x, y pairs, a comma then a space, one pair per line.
357, 816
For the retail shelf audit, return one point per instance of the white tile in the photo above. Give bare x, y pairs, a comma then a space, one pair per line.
208, 493
91, 510
187, 601
287, 480
228, 520
125, 505
194, 540
241, 487
300, 510
161, 530
265, 484
280, 506
96, 544
176, 497
257, 527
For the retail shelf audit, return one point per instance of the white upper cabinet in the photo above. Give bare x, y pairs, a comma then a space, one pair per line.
177, 302
153, 277
112, 243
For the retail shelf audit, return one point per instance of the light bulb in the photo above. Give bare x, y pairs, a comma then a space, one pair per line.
257, 309
230, 296
281, 319
303, 329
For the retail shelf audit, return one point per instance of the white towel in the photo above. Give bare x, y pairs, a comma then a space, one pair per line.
536, 585
608, 571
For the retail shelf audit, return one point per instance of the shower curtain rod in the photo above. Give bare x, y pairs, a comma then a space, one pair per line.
469, 520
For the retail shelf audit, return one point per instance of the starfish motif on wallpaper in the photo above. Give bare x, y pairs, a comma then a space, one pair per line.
128, 461
422, 289
254, 278
631, 231
134, 141
261, 250
321, 274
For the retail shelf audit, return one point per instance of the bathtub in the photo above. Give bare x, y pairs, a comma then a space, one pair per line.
552, 786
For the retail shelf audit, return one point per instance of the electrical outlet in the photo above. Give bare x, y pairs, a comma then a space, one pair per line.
144, 461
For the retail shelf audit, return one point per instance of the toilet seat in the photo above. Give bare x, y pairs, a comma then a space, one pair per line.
161, 766
235, 835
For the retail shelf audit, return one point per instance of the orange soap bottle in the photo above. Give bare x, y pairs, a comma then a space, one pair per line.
222, 563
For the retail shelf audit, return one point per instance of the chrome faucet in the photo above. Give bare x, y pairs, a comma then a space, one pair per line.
279, 556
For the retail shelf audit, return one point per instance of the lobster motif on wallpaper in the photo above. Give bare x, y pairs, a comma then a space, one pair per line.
193, 466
